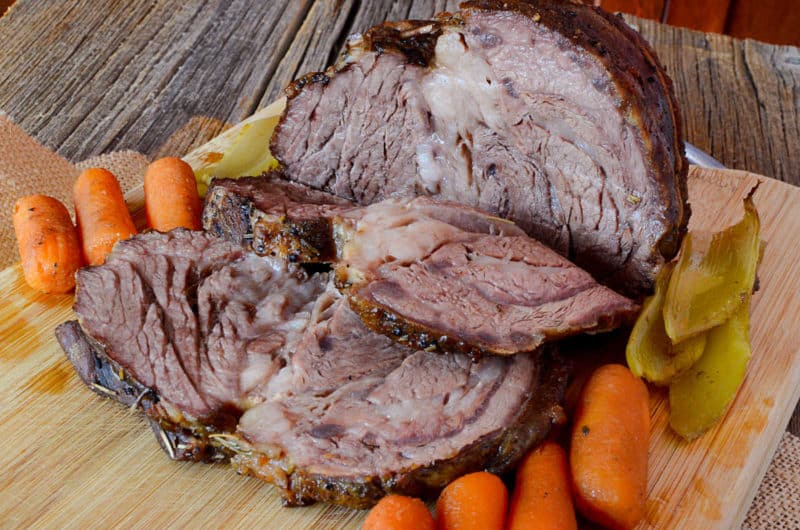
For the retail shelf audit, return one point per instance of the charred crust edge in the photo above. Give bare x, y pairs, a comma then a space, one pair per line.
108, 379
415, 39
412, 334
416, 335
236, 218
311, 78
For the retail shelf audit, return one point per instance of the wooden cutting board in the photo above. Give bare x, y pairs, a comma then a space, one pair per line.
72, 459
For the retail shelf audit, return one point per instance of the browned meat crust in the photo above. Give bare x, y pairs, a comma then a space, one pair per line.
108, 379
273, 217
497, 452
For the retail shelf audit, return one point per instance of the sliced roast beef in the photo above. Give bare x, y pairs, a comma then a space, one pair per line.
441, 275
230, 354
553, 114
195, 319
435, 286
370, 417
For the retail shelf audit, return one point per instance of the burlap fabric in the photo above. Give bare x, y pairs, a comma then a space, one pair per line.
27, 167
777, 503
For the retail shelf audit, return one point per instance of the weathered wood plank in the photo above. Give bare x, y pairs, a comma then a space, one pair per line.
740, 99
321, 38
88, 77
312, 45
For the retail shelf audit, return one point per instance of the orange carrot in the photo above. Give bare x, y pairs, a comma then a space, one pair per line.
170, 195
542, 499
102, 215
396, 512
48, 244
477, 501
608, 455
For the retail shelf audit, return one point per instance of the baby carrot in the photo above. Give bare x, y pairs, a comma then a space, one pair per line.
542, 498
102, 215
48, 243
608, 455
170, 195
396, 512
477, 501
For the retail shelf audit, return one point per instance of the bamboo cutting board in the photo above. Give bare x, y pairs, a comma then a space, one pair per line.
72, 459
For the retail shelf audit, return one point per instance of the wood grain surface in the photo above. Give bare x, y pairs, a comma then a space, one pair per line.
88, 77
740, 100
72, 459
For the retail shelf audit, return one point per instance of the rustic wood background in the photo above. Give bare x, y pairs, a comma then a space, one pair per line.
87, 77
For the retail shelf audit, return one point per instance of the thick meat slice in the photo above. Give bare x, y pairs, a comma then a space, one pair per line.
435, 286
196, 320
438, 274
231, 355
550, 113
369, 417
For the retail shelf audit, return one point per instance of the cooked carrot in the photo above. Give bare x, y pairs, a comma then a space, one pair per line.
170, 195
102, 215
48, 244
608, 455
396, 512
477, 501
542, 498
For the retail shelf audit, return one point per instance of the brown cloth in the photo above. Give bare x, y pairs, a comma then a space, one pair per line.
777, 503
26, 167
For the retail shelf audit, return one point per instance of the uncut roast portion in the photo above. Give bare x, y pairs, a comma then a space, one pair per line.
553, 114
